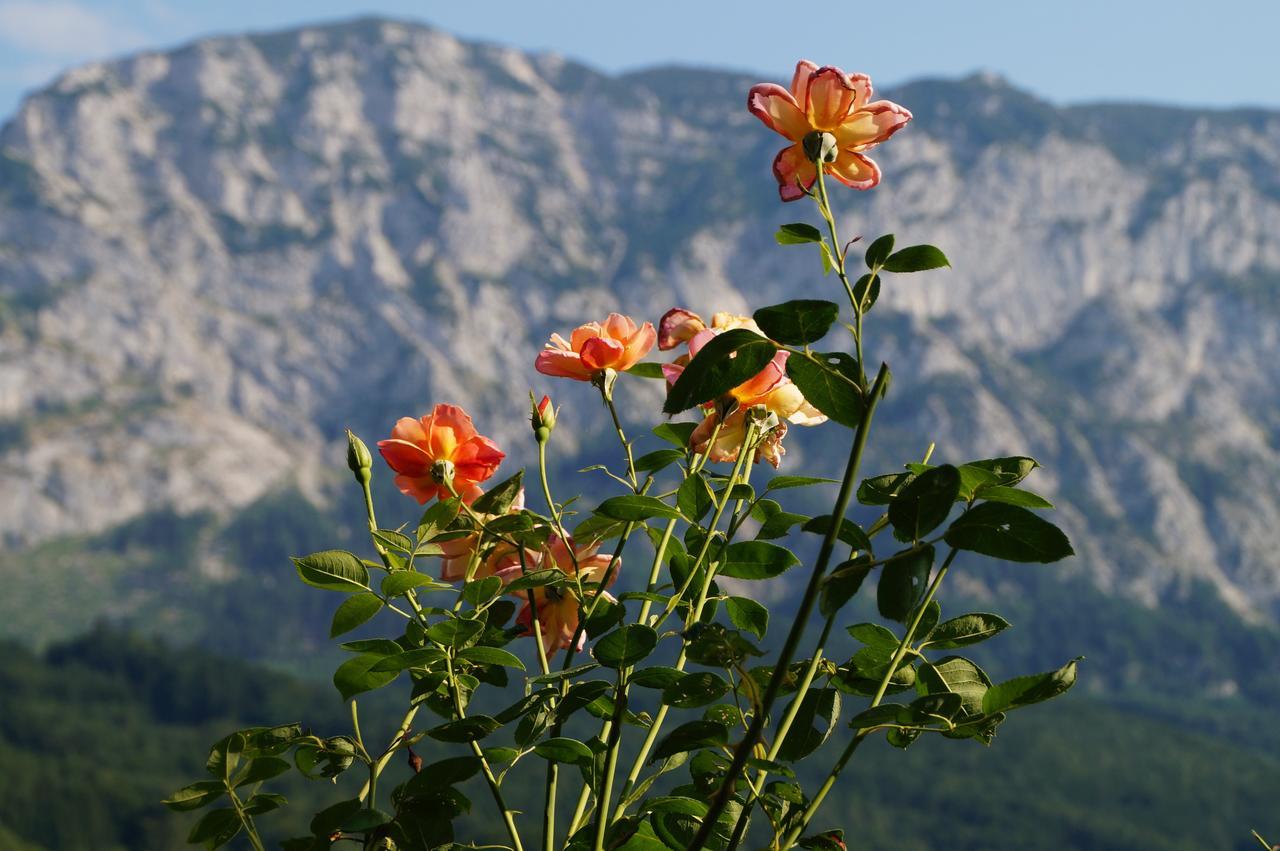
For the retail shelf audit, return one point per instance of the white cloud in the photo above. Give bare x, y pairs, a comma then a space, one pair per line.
62, 29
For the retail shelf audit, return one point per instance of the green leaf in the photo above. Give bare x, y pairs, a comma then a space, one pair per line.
676, 434
748, 615
565, 750
400, 582
659, 677
491, 656
420, 657
605, 615
263, 768
756, 560
902, 582
691, 736
957, 675
356, 676
333, 570
464, 730
841, 584
965, 630
716, 646
778, 483
657, 460
538, 579
817, 717
445, 772
1007, 471
216, 828
874, 635
353, 612
866, 290
626, 646
455, 632
797, 233
916, 258
830, 383
924, 504
478, 592
394, 540
879, 251
799, 322
881, 490
1024, 691
1013, 496
694, 690
695, 498
264, 802
646, 370
726, 361
636, 507
195, 796
1010, 533
500, 498
568, 674
850, 533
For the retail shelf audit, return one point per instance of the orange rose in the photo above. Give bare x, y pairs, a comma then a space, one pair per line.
558, 606
446, 434
831, 101
592, 348
728, 442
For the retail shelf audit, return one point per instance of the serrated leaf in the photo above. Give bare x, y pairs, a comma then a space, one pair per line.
902, 582
333, 570
1012, 496
841, 585
1024, 691
965, 630
756, 560
784, 482
561, 749
797, 233
216, 828
464, 730
819, 711
748, 615
690, 736
879, 251
500, 498
626, 646
195, 796
957, 675
353, 612
637, 507
356, 675
491, 656
676, 434
694, 690
694, 498
916, 258
924, 503
1010, 533
726, 361
829, 381
399, 583
800, 322
646, 370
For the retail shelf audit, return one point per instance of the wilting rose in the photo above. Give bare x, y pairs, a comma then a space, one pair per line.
456, 553
445, 435
558, 606
728, 442
617, 344
770, 387
825, 100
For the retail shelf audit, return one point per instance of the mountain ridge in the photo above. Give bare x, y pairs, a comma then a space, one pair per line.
214, 258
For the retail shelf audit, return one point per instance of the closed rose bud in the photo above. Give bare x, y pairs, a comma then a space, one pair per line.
543, 418
359, 461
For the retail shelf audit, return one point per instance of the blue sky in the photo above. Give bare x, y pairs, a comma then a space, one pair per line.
1175, 51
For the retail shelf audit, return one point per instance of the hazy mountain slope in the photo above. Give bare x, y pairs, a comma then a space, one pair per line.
213, 259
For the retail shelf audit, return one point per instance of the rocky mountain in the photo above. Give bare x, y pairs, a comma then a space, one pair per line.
214, 259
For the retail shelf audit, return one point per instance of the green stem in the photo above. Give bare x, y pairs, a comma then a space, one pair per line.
370, 801
611, 761
508, 817
744, 749
250, 830
837, 254
394, 745
861, 734
622, 436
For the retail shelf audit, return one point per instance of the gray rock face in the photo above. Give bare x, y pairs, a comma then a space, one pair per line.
214, 259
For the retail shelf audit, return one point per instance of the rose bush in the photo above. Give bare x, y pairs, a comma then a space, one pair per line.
602, 659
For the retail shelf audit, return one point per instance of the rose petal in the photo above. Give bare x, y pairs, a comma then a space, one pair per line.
676, 326
561, 365
871, 125
777, 108
793, 171
831, 96
855, 170
406, 458
601, 353
638, 345
619, 327
583, 333
800, 80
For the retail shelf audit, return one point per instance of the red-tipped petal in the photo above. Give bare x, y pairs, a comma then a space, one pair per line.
793, 171
800, 80
561, 365
871, 125
676, 326
832, 94
406, 458
779, 111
